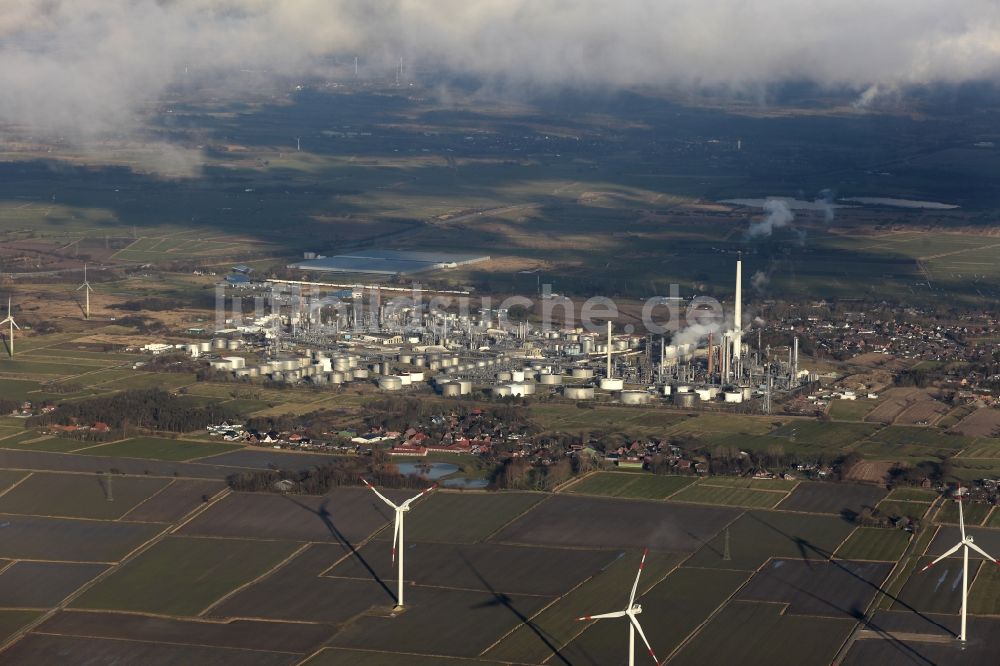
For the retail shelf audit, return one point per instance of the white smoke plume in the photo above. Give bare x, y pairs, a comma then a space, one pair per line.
779, 215
97, 66
825, 201
759, 281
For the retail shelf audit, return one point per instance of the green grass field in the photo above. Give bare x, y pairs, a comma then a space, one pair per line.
874, 543
912, 495
747, 497
17, 389
184, 575
975, 513
903, 509
984, 597
32, 441
850, 410
749, 482
632, 485
828, 434
156, 448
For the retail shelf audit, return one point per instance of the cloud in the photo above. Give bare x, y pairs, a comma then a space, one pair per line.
92, 66
779, 215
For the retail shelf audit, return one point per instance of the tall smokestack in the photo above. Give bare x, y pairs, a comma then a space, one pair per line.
609, 350
738, 311
711, 357
795, 358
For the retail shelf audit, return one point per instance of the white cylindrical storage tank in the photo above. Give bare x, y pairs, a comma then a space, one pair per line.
305, 362
235, 362
667, 390
451, 389
550, 380
419, 360
587, 344
360, 373
336, 377
620, 345
219, 343
289, 364
703, 393
683, 388
747, 392
324, 365
416, 377
234, 344
341, 364
404, 377
529, 388
634, 397
466, 386
353, 361
504, 376
733, 397
204, 347
390, 383
517, 375
434, 364
516, 390
278, 376
253, 372
406, 359
321, 379
501, 391
612, 384
578, 392
582, 373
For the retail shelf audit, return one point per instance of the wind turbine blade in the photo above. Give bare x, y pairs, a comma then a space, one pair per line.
605, 616
961, 514
395, 535
14, 323
414, 499
638, 628
981, 552
635, 585
81, 287
947, 554
380, 495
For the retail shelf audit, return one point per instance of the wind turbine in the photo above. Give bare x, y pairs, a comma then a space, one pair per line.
630, 612
13, 325
965, 544
397, 532
86, 290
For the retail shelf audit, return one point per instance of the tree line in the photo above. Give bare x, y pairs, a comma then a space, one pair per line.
153, 409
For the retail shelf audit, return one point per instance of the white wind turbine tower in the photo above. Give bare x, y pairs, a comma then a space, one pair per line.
13, 325
630, 612
86, 290
965, 544
397, 532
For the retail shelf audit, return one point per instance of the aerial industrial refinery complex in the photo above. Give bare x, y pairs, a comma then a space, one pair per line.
356, 337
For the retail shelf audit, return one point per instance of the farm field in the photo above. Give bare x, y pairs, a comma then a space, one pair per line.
703, 493
184, 575
43, 584
79, 495
975, 513
632, 485
834, 498
660, 526
155, 448
851, 410
467, 518
874, 543
754, 633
